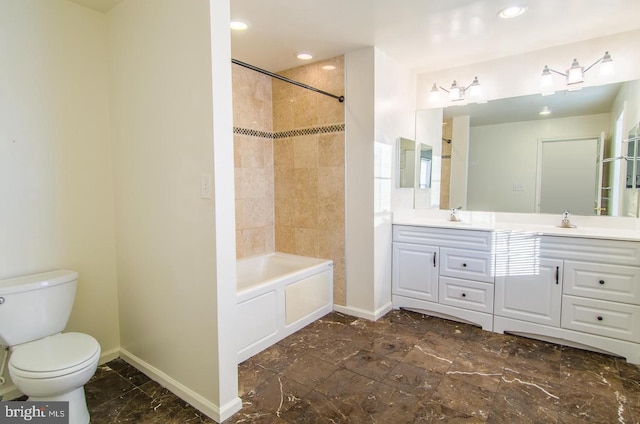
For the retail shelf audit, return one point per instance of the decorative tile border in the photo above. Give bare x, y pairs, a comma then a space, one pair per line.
292, 133
252, 133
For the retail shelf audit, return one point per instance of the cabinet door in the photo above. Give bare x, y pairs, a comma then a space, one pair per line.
530, 293
415, 271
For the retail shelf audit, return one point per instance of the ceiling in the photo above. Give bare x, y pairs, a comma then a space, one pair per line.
424, 35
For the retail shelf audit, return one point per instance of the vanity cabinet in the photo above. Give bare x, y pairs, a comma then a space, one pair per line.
444, 272
530, 291
415, 271
578, 291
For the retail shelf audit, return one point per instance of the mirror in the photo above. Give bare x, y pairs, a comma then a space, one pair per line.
406, 163
504, 150
425, 165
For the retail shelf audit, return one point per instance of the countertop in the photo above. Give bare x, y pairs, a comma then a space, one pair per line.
586, 227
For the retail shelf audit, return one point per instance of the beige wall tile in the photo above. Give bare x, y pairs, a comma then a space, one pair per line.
305, 151
330, 182
305, 182
250, 183
306, 111
250, 242
331, 149
331, 213
306, 240
285, 239
284, 183
283, 153
284, 210
305, 212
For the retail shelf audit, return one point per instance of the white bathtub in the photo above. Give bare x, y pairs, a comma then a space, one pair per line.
278, 294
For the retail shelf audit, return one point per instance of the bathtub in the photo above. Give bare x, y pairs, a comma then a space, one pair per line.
278, 294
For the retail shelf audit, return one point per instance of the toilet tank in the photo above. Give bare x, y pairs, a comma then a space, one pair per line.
35, 306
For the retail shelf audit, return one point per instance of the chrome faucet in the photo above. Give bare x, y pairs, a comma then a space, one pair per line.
566, 223
454, 214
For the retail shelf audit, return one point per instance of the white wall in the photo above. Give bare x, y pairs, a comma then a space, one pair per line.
520, 75
359, 170
55, 156
172, 287
507, 154
380, 108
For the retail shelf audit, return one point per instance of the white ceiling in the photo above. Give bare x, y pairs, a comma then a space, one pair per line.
424, 35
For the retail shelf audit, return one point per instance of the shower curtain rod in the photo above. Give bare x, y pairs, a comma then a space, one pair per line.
290, 81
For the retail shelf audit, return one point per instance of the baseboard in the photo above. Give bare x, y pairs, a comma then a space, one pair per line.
9, 393
213, 411
362, 313
109, 355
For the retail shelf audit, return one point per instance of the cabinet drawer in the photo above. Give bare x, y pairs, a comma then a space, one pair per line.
444, 237
469, 264
616, 320
466, 294
601, 281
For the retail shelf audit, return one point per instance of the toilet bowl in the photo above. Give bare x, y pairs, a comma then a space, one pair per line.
45, 364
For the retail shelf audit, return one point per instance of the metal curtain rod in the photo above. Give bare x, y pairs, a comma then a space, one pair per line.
290, 81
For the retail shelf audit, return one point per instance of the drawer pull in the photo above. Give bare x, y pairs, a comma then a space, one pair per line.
601, 282
434, 259
464, 295
557, 275
464, 265
600, 318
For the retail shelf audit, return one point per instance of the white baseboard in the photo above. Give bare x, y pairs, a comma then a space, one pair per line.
109, 355
215, 412
362, 313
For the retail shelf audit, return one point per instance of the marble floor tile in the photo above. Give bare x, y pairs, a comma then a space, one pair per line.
404, 368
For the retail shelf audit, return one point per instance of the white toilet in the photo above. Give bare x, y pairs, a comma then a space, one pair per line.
46, 364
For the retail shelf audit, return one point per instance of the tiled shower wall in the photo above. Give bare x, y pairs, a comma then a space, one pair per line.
253, 158
289, 159
308, 152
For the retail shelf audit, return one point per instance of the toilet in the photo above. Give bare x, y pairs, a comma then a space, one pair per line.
46, 364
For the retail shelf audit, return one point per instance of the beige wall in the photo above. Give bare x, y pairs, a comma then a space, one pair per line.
176, 270
309, 166
253, 159
55, 156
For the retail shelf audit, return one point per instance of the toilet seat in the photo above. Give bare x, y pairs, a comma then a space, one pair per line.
54, 356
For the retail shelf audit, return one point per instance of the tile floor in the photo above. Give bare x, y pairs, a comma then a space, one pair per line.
404, 368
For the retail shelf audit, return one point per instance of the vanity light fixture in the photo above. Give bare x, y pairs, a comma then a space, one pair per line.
575, 74
456, 93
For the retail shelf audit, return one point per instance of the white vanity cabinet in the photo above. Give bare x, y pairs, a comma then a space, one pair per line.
572, 290
530, 291
444, 272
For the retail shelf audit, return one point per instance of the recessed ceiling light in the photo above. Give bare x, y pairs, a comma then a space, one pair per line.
239, 25
304, 56
512, 12
329, 67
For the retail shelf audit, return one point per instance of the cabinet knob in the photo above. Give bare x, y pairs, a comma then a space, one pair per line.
464, 295
600, 318
601, 282
464, 265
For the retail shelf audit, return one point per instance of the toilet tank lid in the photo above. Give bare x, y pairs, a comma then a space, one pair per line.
36, 281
